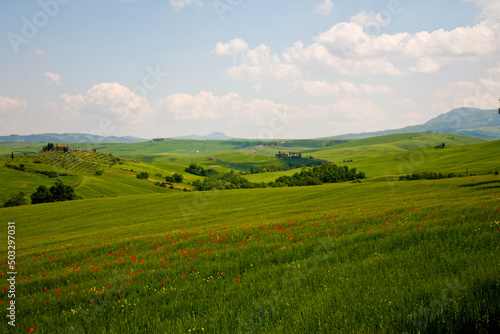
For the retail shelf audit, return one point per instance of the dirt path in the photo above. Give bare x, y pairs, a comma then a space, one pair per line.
152, 180
78, 182
113, 172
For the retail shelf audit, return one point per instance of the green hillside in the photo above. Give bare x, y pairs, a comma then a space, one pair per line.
343, 257
380, 256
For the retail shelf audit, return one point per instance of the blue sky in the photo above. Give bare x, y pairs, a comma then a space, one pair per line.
250, 69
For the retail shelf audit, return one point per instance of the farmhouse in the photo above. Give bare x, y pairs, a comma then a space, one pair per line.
212, 159
63, 148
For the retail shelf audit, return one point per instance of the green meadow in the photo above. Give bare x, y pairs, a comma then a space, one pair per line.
380, 256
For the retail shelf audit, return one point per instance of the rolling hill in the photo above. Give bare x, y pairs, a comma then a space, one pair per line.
380, 256
464, 121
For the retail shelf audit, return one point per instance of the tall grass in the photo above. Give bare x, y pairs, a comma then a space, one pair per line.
419, 256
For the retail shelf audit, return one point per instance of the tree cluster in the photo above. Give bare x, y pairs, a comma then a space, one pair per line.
57, 193
199, 170
176, 178
270, 168
292, 155
326, 173
143, 175
49, 147
428, 176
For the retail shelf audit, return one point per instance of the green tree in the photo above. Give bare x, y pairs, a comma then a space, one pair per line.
12, 155
42, 195
178, 178
61, 192
143, 175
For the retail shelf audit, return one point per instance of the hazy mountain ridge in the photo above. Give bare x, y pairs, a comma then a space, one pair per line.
463, 121
212, 136
70, 138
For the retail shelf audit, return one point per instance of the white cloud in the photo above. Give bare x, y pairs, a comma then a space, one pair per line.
404, 103
180, 4
257, 64
8, 104
324, 7
202, 106
231, 48
482, 94
53, 78
263, 117
349, 49
358, 110
325, 89
39, 52
110, 100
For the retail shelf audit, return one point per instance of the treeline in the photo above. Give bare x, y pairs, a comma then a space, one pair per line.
50, 174
200, 171
59, 192
326, 173
270, 168
428, 176
335, 142
437, 175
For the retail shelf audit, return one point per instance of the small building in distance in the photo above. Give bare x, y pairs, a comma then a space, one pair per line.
63, 148
212, 159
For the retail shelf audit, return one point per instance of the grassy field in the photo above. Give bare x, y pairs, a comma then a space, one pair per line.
419, 256
381, 256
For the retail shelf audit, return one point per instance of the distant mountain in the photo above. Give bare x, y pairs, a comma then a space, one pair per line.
463, 121
212, 136
70, 138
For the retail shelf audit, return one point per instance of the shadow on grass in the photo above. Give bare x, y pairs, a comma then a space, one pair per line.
470, 185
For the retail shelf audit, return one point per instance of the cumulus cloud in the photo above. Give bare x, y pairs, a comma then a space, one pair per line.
352, 49
348, 49
482, 94
324, 7
53, 78
230, 48
110, 100
8, 104
202, 106
256, 64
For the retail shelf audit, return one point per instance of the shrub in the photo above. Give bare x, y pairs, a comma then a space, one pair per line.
143, 175
99, 172
16, 200
178, 178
